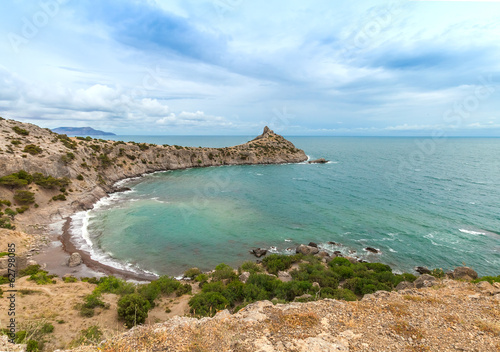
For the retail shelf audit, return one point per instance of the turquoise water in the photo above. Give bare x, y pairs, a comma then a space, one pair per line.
420, 201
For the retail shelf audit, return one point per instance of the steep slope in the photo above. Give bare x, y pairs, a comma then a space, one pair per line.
89, 167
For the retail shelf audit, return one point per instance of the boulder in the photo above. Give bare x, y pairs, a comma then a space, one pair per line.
303, 249
312, 244
316, 284
75, 259
284, 276
323, 254
244, 276
372, 250
488, 288
463, 272
403, 285
259, 252
422, 270
338, 253
318, 161
31, 262
425, 280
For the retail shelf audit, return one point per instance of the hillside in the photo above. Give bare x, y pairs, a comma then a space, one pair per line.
81, 131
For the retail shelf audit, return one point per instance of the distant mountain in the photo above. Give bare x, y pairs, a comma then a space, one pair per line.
81, 131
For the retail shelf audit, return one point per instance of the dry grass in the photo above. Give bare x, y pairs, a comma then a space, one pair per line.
406, 330
299, 324
488, 326
432, 300
397, 309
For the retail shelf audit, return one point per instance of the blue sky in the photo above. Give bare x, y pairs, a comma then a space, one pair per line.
229, 67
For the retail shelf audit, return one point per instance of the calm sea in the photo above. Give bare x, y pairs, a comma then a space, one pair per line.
420, 201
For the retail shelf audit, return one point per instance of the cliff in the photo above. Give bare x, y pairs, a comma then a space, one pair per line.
92, 166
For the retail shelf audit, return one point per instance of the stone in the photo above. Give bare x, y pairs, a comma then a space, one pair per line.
306, 250
31, 262
258, 252
318, 161
244, 276
323, 254
75, 259
284, 276
372, 250
488, 288
463, 272
425, 280
316, 284
313, 244
403, 285
352, 260
422, 270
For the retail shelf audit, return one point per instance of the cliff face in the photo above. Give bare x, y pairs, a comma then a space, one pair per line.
93, 166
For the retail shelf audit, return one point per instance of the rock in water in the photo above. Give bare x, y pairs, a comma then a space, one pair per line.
75, 259
372, 250
312, 244
463, 272
318, 161
422, 270
306, 250
259, 252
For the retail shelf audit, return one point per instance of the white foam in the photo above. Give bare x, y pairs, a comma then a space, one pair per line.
470, 232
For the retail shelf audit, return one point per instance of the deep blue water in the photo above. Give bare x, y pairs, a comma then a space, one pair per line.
420, 201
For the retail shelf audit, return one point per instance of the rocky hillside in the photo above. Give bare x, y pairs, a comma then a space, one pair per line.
448, 316
72, 173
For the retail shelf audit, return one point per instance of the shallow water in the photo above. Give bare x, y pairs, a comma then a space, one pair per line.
420, 201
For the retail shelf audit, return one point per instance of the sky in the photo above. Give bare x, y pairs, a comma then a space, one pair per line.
231, 67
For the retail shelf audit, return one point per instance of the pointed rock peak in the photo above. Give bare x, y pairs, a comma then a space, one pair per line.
266, 132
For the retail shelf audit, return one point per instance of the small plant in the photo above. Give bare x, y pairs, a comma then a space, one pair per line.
24, 197
133, 309
16, 142
61, 197
70, 279
91, 335
20, 131
192, 273
32, 149
79, 177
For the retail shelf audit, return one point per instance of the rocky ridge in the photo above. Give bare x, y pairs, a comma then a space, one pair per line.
449, 316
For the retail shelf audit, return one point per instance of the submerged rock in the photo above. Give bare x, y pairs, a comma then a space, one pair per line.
422, 270
372, 250
306, 250
318, 161
259, 252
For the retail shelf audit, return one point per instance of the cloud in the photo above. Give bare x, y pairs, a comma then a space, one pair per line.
190, 119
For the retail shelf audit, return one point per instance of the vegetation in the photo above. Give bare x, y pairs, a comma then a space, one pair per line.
133, 309
68, 157
20, 131
79, 177
32, 149
89, 336
24, 197
66, 141
59, 197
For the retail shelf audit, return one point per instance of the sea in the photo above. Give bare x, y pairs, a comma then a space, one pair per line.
431, 202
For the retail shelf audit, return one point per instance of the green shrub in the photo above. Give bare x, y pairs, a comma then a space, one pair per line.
20, 131
16, 142
90, 280
61, 197
66, 141
340, 294
87, 312
29, 270
316, 273
289, 290
167, 284
22, 209
68, 158
150, 292
6, 202
490, 279
47, 328
183, 289
50, 182
339, 261
4, 280
13, 181
277, 262
105, 160
41, 278
114, 285
32, 149
201, 278
32, 346
234, 292
11, 213
79, 177
378, 267
93, 300
207, 303
192, 273
133, 309
70, 279
250, 267
223, 272
438, 273
24, 197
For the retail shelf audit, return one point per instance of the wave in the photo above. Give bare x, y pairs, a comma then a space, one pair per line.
470, 232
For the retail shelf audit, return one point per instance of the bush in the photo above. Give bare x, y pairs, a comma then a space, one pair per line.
289, 290
490, 279
114, 285
79, 177
93, 300
68, 158
32, 149
207, 303
29, 270
20, 131
47, 328
183, 289
32, 346
105, 161
340, 294
4, 280
223, 272
250, 267
192, 273
24, 197
61, 197
133, 309
89, 336
150, 292
41, 278
22, 209
49, 182
11, 213
167, 284
277, 262
19, 179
